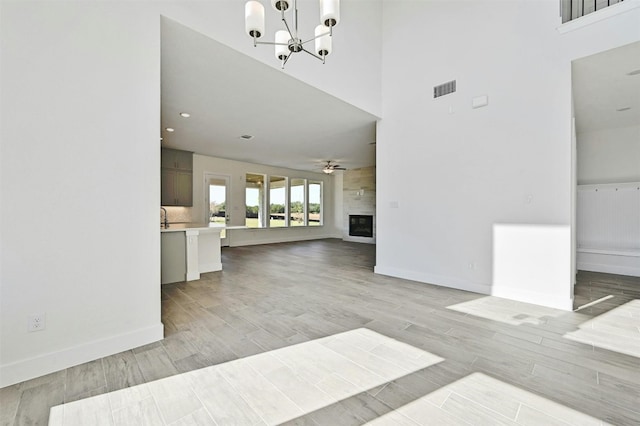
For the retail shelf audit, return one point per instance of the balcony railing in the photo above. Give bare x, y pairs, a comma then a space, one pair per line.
573, 9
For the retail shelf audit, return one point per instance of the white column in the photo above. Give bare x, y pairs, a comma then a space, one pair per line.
193, 271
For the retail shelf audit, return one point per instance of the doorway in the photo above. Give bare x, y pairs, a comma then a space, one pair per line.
216, 202
606, 156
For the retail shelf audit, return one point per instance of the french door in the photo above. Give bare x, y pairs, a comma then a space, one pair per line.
216, 202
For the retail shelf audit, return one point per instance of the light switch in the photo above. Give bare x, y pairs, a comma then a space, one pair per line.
480, 101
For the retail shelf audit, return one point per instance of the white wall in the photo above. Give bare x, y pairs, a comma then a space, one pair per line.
237, 170
447, 173
80, 162
609, 156
352, 72
80, 169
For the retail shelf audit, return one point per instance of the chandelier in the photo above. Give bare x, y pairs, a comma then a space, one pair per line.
288, 41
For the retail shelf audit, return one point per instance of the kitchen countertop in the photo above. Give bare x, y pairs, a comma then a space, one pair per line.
197, 226
192, 226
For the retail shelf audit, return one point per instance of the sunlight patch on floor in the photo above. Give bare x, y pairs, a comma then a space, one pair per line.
269, 388
507, 311
617, 330
480, 399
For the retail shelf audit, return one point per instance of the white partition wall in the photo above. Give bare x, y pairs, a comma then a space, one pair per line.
608, 221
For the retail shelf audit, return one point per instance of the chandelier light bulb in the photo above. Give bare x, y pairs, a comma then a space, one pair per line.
330, 12
323, 42
282, 50
254, 19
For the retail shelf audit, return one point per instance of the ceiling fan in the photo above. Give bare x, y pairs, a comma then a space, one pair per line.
329, 167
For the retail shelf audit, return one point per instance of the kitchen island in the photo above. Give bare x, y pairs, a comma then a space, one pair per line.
188, 250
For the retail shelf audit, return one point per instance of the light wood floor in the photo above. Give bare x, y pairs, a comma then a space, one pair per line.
273, 296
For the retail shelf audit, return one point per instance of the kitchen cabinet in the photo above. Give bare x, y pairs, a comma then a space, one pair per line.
176, 159
176, 178
188, 250
177, 188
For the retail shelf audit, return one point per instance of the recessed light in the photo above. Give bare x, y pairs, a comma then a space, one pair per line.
623, 109
634, 72
170, 129
185, 114
246, 137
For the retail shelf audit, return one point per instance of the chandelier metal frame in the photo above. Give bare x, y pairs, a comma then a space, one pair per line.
254, 22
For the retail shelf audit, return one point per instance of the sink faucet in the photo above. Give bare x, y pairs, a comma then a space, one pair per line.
166, 222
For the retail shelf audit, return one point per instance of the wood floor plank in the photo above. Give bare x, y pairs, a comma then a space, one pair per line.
36, 402
155, 364
122, 371
83, 379
278, 295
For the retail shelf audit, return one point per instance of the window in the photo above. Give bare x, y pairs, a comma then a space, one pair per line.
315, 203
277, 201
297, 202
254, 200
281, 202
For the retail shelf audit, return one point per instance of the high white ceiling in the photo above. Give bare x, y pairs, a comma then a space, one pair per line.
229, 94
602, 85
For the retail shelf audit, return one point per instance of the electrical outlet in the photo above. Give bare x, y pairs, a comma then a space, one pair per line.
36, 322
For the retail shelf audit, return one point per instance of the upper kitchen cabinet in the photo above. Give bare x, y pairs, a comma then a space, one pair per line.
177, 178
176, 159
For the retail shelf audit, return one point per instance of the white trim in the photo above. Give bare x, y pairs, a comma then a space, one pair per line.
609, 269
40, 365
542, 299
210, 267
256, 241
617, 185
507, 293
599, 15
611, 252
438, 280
353, 239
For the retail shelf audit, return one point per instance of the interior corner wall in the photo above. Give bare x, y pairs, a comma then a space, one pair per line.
448, 173
338, 203
80, 166
609, 156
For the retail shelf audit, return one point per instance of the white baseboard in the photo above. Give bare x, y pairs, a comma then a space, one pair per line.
439, 280
550, 301
30, 368
258, 241
365, 240
210, 267
507, 293
609, 269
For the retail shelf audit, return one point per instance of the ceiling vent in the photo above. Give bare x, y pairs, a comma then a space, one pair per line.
444, 89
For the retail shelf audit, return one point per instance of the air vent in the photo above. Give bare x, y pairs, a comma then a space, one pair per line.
444, 89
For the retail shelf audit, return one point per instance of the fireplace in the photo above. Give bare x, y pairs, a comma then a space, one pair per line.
360, 225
